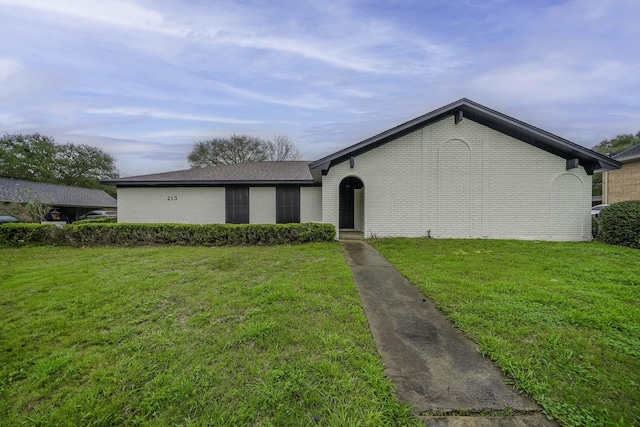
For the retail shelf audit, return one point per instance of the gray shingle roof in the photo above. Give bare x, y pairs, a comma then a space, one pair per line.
240, 173
632, 153
17, 190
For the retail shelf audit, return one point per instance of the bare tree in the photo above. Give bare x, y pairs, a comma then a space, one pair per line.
282, 148
240, 149
27, 207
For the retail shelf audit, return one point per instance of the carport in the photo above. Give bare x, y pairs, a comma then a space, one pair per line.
69, 201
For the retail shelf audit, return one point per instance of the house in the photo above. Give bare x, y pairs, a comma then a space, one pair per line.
69, 201
257, 192
461, 171
624, 183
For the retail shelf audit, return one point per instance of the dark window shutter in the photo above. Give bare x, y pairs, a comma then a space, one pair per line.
237, 205
287, 204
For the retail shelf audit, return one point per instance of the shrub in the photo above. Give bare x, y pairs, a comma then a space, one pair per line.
126, 234
30, 234
620, 224
107, 220
596, 227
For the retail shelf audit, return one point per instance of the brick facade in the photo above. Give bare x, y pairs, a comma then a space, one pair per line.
262, 205
206, 205
465, 180
310, 204
189, 205
623, 184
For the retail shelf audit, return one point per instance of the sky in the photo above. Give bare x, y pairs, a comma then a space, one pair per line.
144, 80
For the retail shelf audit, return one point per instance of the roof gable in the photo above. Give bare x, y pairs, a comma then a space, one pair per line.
17, 190
467, 109
628, 155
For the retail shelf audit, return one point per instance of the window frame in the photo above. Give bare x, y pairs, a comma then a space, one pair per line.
287, 204
237, 205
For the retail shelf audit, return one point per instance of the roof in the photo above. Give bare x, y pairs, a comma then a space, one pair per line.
629, 154
17, 190
260, 173
467, 109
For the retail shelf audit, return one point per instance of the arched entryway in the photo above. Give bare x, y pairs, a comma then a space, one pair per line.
351, 204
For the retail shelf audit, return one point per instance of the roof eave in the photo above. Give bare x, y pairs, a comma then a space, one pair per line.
539, 138
332, 159
478, 113
629, 159
203, 183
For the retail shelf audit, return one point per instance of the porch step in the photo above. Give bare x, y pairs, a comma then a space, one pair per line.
350, 235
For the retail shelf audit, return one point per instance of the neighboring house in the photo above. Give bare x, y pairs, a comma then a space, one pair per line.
624, 183
69, 201
462, 171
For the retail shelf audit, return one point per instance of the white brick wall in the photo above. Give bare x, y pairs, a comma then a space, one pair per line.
191, 205
465, 180
206, 205
310, 204
358, 209
262, 205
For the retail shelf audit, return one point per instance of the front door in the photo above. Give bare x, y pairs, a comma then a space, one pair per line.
347, 204
346, 207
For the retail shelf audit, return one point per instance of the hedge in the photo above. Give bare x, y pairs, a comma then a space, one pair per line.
107, 219
126, 234
620, 224
596, 228
18, 233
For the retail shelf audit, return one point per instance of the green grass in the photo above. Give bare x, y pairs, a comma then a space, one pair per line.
187, 336
561, 319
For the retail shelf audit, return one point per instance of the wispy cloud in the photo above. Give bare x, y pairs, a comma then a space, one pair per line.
157, 114
119, 13
537, 82
311, 102
8, 67
140, 77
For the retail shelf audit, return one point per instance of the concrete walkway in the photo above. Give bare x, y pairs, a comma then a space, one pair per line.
434, 367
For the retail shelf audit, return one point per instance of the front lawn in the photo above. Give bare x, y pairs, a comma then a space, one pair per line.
187, 336
561, 319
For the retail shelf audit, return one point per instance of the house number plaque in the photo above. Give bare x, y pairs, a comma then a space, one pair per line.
172, 198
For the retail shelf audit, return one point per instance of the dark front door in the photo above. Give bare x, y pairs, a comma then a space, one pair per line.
346, 200
346, 207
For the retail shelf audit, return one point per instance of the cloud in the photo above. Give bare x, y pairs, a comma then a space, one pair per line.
8, 68
326, 73
11, 121
158, 114
537, 82
345, 43
132, 155
312, 102
119, 13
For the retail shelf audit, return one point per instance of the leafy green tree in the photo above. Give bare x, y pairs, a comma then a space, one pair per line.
84, 166
613, 146
29, 157
618, 144
37, 157
240, 149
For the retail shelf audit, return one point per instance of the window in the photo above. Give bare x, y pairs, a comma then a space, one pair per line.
237, 205
287, 204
